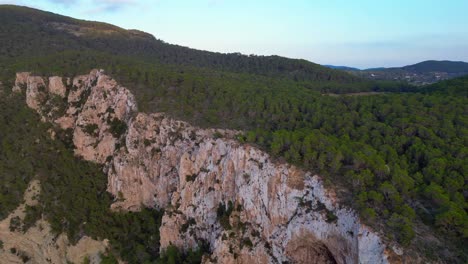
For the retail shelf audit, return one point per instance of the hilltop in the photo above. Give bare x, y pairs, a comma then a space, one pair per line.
423, 73
44, 33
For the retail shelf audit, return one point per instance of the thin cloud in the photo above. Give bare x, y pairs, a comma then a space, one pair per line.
11, 2
112, 5
64, 2
98, 6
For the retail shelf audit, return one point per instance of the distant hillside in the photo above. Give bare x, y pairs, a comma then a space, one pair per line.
423, 73
457, 86
456, 67
30, 32
343, 68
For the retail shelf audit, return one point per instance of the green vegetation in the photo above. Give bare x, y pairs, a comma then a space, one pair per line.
28, 33
16, 165
172, 255
438, 66
90, 129
15, 224
399, 154
33, 213
108, 259
453, 87
420, 74
46, 33
191, 178
223, 213
117, 127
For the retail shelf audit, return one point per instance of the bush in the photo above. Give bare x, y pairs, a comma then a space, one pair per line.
33, 213
117, 127
247, 242
90, 129
15, 224
108, 259
402, 229
191, 178
224, 213
173, 255
331, 217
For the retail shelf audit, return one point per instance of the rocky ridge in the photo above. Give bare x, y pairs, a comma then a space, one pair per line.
230, 196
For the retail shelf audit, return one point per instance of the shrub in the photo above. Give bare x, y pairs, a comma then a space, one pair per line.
33, 214
331, 217
217, 135
187, 224
224, 213
90, 129
191, 178
117, 127
108, 259
402, 228
15, 224
247, 242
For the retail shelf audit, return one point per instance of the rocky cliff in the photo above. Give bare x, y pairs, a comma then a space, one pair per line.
231, 196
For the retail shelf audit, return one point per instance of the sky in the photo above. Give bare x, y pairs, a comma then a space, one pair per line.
357, 33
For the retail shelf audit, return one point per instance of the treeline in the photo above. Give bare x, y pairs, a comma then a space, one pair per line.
455, 87
29, 32
401, 157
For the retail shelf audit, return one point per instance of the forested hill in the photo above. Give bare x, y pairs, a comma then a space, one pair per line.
423, 73
29, 32
438, 66
457, 87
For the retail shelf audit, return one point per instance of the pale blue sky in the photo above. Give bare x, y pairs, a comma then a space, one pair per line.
359, 33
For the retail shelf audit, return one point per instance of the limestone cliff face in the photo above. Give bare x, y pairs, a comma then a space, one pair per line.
232, 196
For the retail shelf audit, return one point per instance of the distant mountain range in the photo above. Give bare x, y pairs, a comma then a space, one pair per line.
343, 68
426, 72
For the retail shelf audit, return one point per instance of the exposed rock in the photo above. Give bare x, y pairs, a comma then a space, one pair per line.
304, 248
20, 82
35, 92
56, 86
234, 197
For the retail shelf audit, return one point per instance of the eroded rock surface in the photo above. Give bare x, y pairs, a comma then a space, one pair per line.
246, 207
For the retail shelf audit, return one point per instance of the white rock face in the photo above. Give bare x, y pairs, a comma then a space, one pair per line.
56, 86
35, 92
275, 212
21, 81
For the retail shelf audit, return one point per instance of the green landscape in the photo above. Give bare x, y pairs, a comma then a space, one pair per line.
399, 156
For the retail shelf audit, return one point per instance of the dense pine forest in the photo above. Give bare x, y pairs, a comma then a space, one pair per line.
399, 157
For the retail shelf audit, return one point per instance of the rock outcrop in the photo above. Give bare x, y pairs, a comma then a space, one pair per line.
231, 196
